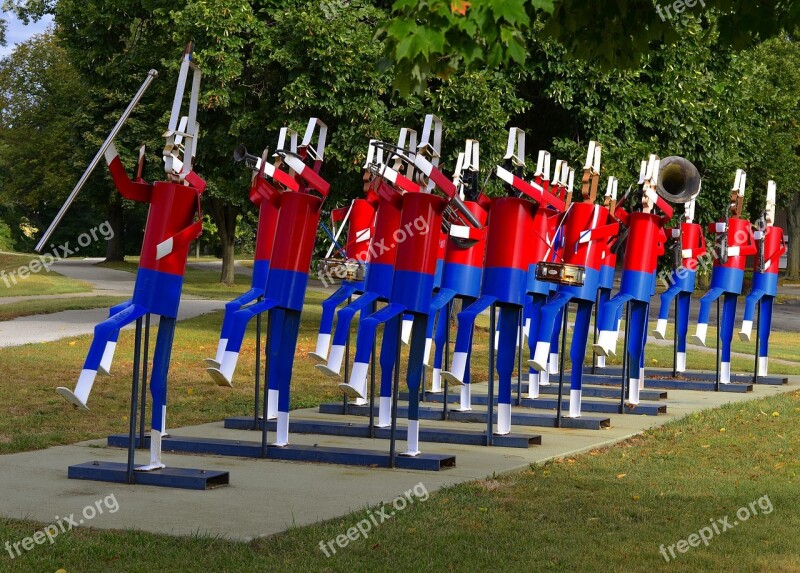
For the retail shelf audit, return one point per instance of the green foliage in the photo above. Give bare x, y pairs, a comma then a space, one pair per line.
434, 37
6, 241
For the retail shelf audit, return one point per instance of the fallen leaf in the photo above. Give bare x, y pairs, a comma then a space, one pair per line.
620, 476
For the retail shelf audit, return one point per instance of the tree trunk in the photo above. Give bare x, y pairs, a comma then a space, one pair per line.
793, 224
115, 218
224, 215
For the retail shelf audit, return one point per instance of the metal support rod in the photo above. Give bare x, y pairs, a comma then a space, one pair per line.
519, 355
675, 339
395, 395
151, 75
137, 351
145, 366
446, 365
490, 409
258, 368
372, 363
758, 343
719, 339
625, 359
564, 322
594, 330
347, 362
264, 428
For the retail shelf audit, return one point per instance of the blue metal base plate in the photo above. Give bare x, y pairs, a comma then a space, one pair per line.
602, 392
643, 408
668, 383
294, 453
329, 428
707, 375
181, 478
479, 416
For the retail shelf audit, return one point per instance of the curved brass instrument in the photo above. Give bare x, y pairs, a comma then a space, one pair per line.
678, 180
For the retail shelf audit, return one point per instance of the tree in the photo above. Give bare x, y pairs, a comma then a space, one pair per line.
434, 37
774, 90
42, 109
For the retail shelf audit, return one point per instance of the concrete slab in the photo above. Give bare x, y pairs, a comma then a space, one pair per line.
266, 497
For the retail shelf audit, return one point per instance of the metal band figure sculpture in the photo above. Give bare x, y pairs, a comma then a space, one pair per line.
645, 244
422, 215
734, 243
608, 266
463, 265
388, 183
517, 230
381, 179
265, 197
769, 240
295, 234
539, 291
585, 238
689, 244
355, 267
173, 222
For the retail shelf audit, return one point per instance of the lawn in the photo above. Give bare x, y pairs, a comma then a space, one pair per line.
14, 283
607, 510
49, 306
610, 509
197, 282
193, 397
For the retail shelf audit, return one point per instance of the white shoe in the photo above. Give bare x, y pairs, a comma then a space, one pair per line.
660, 331
155, 453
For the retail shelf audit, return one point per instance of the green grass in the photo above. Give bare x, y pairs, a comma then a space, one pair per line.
197, 282
41, 282
49, 306
607, 510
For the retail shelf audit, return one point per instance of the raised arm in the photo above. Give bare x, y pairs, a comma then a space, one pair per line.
137, 190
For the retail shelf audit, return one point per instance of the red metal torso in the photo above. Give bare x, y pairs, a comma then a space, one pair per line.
510, 242
172, 209
362, 223
583, 217
473, 254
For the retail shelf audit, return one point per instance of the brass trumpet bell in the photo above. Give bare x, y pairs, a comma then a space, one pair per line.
678, 180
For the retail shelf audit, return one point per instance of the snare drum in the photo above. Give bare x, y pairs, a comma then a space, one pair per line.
561, 273
343, 269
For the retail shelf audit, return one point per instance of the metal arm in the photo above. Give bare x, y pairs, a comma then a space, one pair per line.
151, 75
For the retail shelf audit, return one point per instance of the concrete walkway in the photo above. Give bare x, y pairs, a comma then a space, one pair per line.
267, 497
110, 282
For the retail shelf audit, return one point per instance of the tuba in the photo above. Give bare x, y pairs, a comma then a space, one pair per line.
678, 180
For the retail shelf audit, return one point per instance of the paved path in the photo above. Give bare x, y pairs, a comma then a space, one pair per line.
50, 327
267, 497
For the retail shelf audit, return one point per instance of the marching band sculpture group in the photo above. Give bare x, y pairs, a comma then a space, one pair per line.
417, 241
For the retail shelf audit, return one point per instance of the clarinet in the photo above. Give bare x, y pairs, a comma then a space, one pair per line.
723, 240
762, 226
